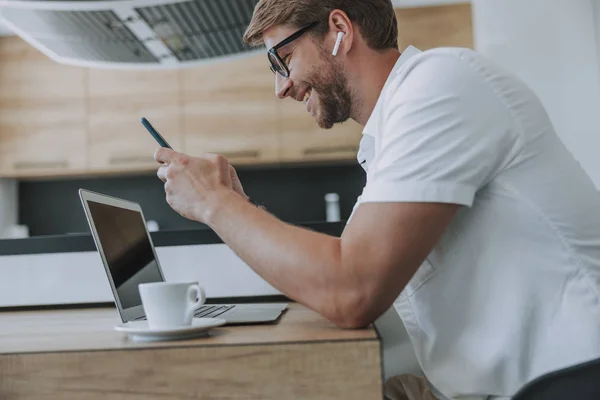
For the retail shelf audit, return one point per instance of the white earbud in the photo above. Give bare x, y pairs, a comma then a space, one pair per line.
340, 35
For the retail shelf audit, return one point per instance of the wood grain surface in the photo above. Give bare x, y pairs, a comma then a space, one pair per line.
93, 329
76, 354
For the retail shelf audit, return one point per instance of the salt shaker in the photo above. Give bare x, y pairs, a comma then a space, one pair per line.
332, 207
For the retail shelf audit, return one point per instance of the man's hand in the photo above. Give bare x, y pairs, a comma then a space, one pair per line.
194, 185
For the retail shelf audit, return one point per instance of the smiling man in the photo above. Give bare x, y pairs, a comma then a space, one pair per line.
475, 222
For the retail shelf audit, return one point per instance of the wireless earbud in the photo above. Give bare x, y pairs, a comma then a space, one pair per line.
340, 35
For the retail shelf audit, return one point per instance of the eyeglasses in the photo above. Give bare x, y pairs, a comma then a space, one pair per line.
277, 63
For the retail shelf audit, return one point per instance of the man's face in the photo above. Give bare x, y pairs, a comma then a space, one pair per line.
316, 77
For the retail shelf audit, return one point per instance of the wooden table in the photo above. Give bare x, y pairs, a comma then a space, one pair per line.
76, 354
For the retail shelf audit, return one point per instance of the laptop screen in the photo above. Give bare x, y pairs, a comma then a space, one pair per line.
128, 252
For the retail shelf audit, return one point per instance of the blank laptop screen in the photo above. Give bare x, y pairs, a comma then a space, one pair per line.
127, 250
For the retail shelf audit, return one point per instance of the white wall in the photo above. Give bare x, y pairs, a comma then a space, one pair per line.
4, 31
554, 47
596, 7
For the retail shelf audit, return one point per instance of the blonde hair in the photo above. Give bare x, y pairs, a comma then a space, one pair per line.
376, 19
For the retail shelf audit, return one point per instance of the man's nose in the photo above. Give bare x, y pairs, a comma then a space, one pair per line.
283, 86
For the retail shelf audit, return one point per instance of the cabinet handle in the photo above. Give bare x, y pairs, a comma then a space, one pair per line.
148, 159
40, 164
131, 160
240, 154
311, 151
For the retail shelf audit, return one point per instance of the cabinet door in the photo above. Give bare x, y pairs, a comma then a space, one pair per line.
230, 108
303, 140
117, 101
42, 113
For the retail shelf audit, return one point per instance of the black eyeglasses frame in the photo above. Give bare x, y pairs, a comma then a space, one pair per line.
274, 56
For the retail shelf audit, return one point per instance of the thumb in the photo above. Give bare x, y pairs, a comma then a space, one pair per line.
164, 155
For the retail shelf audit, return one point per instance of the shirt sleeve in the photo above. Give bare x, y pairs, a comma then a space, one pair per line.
445, 134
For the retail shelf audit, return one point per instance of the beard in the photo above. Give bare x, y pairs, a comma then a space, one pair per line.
334, 100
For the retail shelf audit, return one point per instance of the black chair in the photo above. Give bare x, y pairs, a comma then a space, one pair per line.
578, 382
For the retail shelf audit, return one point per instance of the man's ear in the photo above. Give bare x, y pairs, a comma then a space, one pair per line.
341, 32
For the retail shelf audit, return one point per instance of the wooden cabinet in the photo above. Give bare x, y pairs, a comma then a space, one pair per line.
303, 140
42, 113
230, 108
117, 101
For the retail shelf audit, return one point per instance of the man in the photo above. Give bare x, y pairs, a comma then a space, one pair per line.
475, 223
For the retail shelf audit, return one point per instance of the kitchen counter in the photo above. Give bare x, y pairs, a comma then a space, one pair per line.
84, 242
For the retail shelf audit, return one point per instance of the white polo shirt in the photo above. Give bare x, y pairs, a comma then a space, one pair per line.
512, 289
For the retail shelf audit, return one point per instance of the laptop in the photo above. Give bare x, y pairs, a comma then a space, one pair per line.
119, 230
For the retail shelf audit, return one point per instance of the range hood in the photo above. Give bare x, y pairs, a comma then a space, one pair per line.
144, 34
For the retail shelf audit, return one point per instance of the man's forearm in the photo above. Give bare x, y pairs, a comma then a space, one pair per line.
304, 265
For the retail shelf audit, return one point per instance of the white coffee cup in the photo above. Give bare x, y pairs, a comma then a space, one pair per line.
171, 304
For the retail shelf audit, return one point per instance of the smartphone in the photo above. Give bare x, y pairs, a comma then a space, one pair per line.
161, 140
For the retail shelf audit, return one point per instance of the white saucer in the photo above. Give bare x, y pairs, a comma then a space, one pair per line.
140, 331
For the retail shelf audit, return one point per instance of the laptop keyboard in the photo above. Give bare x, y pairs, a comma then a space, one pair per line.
206, 311
212, 311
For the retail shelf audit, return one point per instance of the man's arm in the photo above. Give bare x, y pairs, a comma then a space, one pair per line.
350, 280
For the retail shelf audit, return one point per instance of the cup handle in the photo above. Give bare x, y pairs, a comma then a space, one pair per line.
195, 298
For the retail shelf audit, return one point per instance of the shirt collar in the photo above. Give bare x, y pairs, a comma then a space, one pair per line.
406, 54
